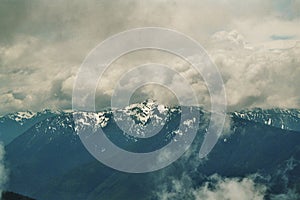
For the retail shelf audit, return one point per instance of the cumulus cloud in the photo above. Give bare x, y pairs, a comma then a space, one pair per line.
43, 45
257, 76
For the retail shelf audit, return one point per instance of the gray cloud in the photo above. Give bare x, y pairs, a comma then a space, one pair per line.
42, 45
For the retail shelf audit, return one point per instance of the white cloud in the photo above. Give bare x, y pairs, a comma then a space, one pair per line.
217, 188
231, 189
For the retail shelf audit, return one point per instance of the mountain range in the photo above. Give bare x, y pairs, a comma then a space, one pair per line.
47, 160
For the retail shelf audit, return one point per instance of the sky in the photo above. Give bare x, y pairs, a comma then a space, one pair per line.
254, 43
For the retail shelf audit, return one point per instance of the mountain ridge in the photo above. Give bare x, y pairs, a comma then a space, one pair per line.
49, 161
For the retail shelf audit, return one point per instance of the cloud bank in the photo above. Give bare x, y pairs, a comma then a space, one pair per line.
43, 45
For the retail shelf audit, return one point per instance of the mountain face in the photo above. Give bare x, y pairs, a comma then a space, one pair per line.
49, 161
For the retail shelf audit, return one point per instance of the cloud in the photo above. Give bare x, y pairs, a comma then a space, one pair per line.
256, 75
216, 188
231, 189
44, 44
193, 185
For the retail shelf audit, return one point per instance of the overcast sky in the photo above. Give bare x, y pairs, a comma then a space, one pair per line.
254, 43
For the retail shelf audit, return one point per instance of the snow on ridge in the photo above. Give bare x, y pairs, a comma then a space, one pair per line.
143, 112
286, 119
136, 117
21, 117
95, 119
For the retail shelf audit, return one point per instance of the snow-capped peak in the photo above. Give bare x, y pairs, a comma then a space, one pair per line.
135, 119
95, 119
143, 112
21, 117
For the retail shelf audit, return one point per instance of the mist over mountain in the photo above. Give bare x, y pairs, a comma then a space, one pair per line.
258, 157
